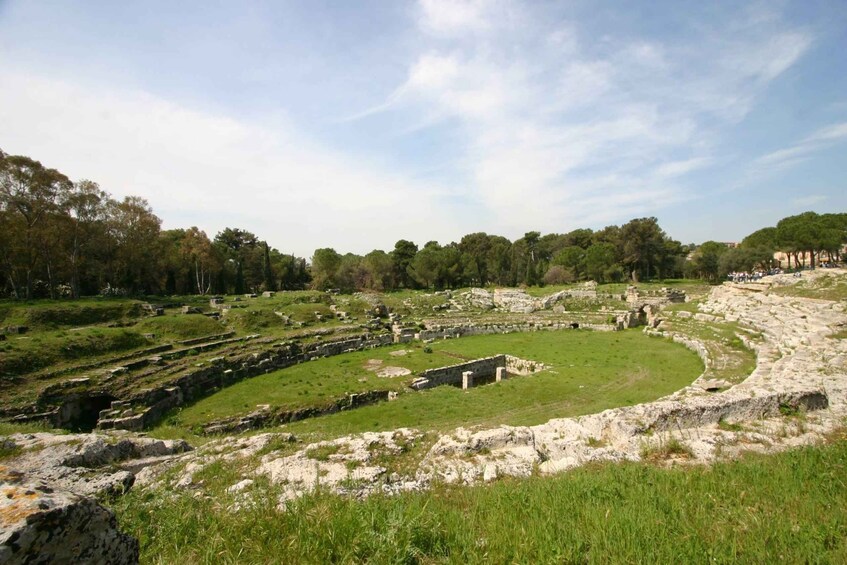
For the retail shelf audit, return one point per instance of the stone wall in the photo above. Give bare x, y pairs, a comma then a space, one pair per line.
452, 374
222, 372
518, 366
267, 416
491, 329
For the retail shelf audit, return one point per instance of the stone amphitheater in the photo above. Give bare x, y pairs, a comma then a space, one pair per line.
796, 395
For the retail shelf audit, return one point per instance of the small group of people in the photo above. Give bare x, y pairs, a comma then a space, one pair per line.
744, 276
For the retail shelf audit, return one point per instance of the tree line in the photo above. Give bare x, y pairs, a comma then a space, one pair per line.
806, 240
64, 238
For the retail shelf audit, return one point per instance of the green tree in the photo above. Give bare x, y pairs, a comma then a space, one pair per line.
600, 262
30, 192
642, 247
379, 270
402, 257
571, 258
706, 260
476, 249
85, 207
325, 264
135, 231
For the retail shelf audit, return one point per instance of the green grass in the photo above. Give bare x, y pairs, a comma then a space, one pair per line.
28, 353
322, 452
9, 428
785, 508
590, 371
314, 383
52, 314
665, 449
180, 326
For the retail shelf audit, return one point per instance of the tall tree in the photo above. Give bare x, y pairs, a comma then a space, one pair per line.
642, 247
325, 264
85, 207
402, 257
31, 192
135, 230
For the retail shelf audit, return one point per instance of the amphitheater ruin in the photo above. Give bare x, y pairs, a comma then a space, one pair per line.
800, 369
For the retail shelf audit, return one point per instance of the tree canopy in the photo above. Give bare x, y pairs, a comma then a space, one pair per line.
63, 238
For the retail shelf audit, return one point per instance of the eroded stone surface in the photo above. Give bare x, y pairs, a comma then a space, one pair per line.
90, 464
39, 524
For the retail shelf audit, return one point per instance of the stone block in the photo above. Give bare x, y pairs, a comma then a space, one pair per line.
467, 380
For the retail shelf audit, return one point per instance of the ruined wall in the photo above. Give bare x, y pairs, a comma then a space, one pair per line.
223, 372
518, 366
273, 417
452, 374
491, 329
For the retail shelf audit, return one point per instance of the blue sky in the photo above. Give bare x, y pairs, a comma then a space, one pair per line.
354, 124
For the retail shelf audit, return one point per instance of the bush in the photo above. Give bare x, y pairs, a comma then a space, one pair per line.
558, 275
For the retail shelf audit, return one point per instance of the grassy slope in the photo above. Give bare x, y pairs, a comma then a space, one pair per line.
790, 507
590, 371
28, 353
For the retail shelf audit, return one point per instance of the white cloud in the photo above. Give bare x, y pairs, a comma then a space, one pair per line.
834, 132
214, 171
454, 16
544, 113
679, 168
810, 200
803, 150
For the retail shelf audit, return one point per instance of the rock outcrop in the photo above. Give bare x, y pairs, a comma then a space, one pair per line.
39, 524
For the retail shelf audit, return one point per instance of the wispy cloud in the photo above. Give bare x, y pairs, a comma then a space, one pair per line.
449, 17
215, 171
819, 140
546, 112
810, 200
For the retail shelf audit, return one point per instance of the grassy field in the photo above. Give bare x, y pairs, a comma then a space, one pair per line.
20, 355
785, 508
589, 371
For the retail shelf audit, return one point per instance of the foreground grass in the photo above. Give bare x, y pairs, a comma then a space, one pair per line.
790, 507
589, 371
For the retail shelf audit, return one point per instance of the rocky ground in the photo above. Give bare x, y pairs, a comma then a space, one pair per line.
796, 394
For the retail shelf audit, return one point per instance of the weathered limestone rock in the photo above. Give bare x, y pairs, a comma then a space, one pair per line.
41, 525
480, 298
89, 464
514, 300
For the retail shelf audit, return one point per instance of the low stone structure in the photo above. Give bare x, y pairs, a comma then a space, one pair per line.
265, 416
477, 371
